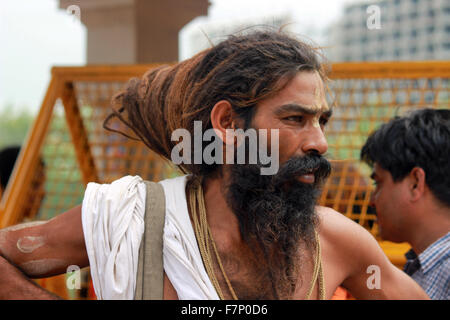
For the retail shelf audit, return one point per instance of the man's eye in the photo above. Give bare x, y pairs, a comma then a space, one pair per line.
295, 118
323, 121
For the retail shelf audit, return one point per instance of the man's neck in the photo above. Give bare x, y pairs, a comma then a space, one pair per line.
435, 224
221, 219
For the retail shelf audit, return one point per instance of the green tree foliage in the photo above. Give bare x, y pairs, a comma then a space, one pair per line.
14, 125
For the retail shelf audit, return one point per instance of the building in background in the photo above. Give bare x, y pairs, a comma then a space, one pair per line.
409, 30
134, 31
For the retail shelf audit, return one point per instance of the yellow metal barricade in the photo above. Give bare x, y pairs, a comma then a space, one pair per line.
68, 136
364, 96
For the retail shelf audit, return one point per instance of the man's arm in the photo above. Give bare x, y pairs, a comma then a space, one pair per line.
14, 285
369, 273
392, 283
47, 248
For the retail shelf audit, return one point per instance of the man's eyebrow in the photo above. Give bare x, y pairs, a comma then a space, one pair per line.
294, 107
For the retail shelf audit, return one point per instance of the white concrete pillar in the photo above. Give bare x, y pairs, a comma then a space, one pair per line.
134, 31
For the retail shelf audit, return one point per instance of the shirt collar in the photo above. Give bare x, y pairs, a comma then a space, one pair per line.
412, 264
436, 252
411, 255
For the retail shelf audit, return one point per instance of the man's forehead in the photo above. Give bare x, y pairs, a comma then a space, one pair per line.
320, 100
312, 87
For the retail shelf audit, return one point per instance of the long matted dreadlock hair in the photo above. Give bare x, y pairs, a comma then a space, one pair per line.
242, 69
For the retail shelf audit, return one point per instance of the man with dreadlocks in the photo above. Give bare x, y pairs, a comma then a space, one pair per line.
270, 239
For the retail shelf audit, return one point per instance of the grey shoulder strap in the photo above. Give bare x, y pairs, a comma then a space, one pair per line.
149, 281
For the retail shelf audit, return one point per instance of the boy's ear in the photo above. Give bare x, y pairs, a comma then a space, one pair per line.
223, 118
417, 183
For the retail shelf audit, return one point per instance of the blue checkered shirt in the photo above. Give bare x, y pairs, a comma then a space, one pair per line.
431, 269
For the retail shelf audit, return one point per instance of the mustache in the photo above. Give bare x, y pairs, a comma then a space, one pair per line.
300, 165
288, 172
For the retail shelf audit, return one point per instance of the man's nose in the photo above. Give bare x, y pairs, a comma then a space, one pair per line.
315, 141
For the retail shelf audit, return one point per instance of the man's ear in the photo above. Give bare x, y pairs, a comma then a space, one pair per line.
223, 118
417, 183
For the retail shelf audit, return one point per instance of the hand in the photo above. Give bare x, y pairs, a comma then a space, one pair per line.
14, 285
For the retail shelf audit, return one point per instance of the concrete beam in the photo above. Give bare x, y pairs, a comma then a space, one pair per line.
135, 31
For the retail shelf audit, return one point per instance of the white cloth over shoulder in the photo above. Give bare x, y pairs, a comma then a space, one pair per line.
182, 260
113, 224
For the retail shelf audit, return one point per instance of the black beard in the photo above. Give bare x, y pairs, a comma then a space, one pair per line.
276, 212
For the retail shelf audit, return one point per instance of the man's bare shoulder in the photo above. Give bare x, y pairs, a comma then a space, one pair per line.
346, 237
333, 223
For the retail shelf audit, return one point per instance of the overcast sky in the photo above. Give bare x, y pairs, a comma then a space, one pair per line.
36, 35
306, 12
